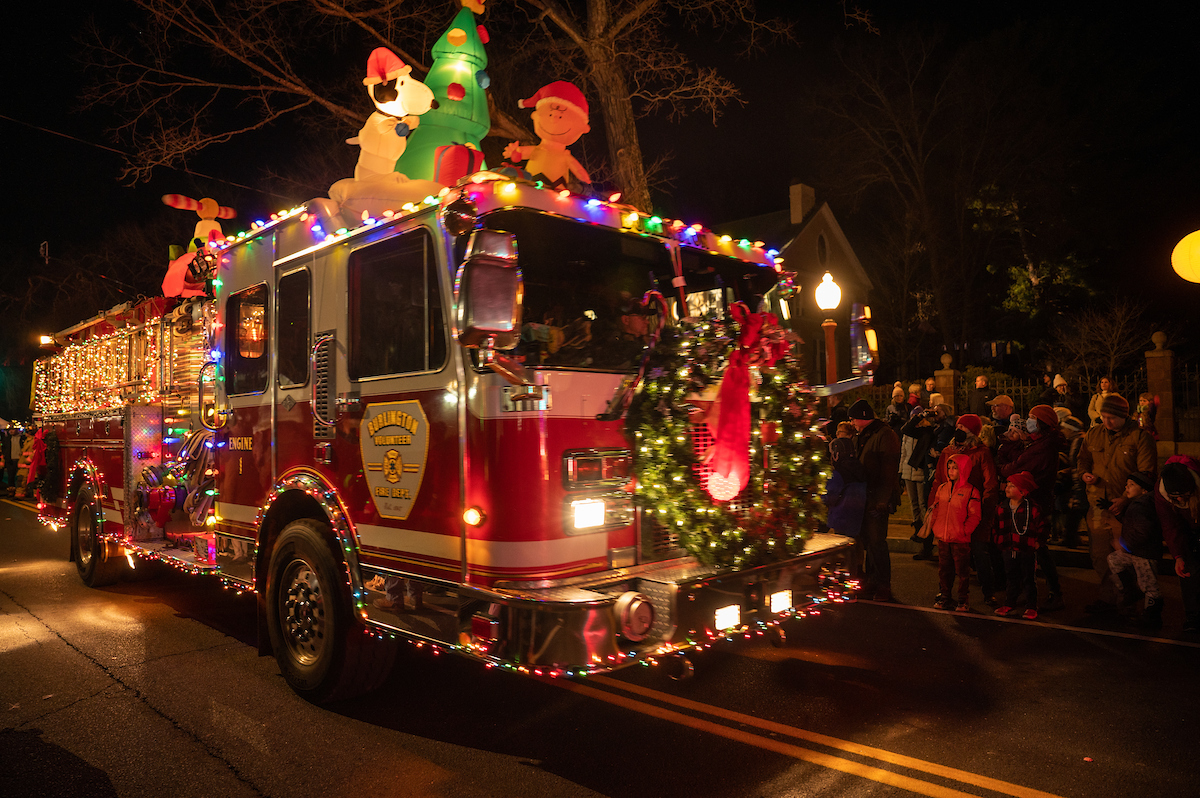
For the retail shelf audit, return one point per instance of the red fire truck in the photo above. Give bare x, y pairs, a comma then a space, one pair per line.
357, 423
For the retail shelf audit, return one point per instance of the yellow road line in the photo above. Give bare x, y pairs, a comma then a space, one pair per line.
932, 768
18, 504
777, 746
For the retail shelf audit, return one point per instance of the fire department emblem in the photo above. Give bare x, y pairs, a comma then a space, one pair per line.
395, 439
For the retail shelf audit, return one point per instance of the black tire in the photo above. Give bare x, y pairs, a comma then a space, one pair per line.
322, 651
98, 561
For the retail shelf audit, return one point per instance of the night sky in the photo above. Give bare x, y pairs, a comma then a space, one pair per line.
63, 191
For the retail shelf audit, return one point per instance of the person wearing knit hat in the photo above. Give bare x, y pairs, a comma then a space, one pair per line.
983, 477
1114, 405
1037, 462
1142, 480
1061, 412
1177, 502
560, 117
878, 449
1020, 528
1111, 451
1045, 415
1138, 547
861, 411
971, 423
1067, 398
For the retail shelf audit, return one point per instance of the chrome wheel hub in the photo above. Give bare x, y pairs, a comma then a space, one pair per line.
85, 536
302, 612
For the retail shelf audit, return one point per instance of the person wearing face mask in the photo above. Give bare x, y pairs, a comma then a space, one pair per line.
1177, 503
983, 476
1043, 440
1112, 450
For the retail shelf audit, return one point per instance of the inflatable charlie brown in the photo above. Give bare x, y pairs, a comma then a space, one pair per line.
560, 117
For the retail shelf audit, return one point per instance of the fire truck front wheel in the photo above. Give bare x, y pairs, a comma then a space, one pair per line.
322, 651
98, 561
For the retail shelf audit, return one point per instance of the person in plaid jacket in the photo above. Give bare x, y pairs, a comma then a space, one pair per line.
1018, 529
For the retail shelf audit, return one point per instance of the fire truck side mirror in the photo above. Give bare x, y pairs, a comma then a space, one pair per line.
489, 292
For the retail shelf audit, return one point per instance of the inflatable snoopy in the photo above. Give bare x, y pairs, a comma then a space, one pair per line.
399, 100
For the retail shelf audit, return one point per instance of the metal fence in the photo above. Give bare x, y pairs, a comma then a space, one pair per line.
1026, 393
1187, 402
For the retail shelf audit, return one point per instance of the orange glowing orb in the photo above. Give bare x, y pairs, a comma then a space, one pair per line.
1186, 257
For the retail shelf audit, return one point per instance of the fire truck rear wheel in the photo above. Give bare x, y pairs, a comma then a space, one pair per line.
321, 648
98, 561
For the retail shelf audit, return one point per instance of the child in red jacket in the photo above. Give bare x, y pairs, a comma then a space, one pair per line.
953, 513
1018, 530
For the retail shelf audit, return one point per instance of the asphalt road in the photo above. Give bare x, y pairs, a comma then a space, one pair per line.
154, 688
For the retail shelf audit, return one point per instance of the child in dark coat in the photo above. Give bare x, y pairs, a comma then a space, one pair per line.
1139, 545
1018, 530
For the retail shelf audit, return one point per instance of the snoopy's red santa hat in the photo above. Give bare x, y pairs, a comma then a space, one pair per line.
562, 92
384, 65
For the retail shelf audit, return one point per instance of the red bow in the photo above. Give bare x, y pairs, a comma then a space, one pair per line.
760, 343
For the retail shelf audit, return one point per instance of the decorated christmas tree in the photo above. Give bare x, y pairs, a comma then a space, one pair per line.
779, 506
459, 80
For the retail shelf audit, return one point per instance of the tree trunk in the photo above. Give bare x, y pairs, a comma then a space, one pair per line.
624, 149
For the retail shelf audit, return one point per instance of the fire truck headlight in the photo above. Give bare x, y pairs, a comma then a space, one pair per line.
729, 617
781, 601
588, 513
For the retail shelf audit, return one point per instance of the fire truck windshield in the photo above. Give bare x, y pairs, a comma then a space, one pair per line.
583, 289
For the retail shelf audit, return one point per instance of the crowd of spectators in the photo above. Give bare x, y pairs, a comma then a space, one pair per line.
992, 490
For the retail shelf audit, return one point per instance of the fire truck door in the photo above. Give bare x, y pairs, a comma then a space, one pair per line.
244, 461
397, 441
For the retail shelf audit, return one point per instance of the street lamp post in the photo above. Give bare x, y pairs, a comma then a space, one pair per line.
828, 297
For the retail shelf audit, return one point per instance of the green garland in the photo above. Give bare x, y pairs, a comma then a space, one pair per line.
784, 502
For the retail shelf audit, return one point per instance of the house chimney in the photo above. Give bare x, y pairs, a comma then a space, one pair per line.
804, 199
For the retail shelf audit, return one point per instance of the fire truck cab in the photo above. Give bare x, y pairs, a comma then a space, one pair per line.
400, 429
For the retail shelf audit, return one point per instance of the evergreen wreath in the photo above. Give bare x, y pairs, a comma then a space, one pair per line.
781, 506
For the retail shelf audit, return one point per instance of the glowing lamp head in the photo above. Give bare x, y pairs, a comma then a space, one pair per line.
473, 516
1185, 258
828, 294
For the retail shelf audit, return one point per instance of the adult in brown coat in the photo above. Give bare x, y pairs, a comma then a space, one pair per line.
1111, 451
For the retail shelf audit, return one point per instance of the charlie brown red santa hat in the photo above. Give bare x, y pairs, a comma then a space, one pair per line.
562, 92
384, 65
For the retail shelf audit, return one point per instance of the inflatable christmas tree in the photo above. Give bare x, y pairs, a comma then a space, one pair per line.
459, 80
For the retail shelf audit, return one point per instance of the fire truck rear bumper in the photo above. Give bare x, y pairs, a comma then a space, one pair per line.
627, 615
